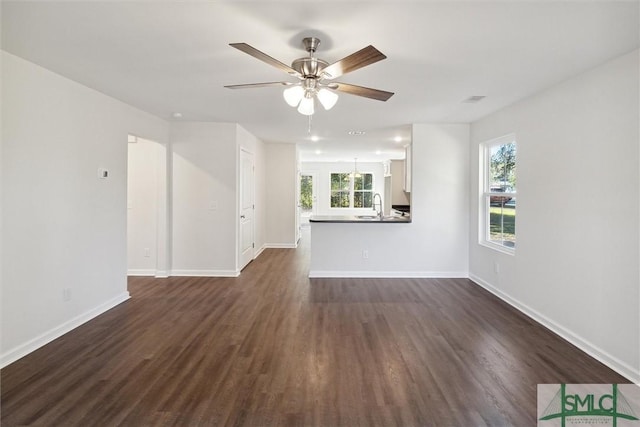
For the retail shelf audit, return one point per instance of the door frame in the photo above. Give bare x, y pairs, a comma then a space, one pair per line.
314, 195
241, 186
160, 247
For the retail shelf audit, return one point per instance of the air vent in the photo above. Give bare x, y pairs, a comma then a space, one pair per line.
475, 98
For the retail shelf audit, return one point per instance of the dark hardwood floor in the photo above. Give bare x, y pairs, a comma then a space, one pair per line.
276, 348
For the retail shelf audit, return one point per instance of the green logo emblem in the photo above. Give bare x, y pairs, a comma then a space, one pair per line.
589, 407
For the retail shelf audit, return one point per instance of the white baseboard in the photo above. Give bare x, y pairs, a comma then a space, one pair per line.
158, 274
280, 245
45, 338
259, 251
592, 350
140, 272
388, 274
205, 273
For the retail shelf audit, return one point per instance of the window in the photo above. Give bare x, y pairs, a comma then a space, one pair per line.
340, 190
498, 198
351, 192
363, 191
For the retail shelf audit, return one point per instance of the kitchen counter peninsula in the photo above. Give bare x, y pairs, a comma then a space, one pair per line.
356, 219
354, 246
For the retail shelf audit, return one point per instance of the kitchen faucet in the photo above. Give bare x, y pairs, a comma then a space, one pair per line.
381, 213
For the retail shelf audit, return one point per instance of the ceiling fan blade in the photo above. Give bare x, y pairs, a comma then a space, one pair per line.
250, 50
356, 60
252, 85
380, 95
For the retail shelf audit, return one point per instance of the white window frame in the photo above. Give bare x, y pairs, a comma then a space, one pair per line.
331, 190
352, 190
485, 194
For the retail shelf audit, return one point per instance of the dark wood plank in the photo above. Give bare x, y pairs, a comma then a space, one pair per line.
275, 348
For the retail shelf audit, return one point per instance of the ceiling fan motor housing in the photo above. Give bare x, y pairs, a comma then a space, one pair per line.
309, 67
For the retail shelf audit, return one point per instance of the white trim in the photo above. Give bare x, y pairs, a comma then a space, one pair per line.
280, 245
158, 274
388, 274
259, 251
205, 273
56, 332
485, 192
352, 191
275, 246
141, 272
500, 140
239, 189
592, 350
497, 247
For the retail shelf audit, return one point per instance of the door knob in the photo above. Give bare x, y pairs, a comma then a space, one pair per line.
242, 216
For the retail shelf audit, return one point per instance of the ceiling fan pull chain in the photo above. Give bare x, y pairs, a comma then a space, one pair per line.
309, 128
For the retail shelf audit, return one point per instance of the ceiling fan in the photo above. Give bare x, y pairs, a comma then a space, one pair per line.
316, 76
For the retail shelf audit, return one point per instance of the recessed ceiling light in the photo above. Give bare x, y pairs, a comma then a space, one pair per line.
398, 139
315, 138
474, 99
177, 115
378, 152
318, 152
356, 132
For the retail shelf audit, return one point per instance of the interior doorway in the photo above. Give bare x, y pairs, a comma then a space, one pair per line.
147, 249
247, 208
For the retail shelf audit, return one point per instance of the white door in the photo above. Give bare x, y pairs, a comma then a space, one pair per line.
246, 208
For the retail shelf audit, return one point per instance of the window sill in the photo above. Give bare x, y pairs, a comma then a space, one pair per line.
499, 248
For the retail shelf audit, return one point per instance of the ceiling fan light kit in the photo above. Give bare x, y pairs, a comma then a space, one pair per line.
327, 98
315, 76
293, 95
307, 105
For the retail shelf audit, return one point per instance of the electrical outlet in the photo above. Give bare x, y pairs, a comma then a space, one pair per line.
147, 252
66, 294
365, 254
496, 267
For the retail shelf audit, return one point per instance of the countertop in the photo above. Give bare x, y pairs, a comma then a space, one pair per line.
393, 219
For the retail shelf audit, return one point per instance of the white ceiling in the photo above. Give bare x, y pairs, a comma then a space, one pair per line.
166, 57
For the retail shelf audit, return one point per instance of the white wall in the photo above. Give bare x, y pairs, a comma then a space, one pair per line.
281, 178
63, 227
147, 199
435, 244
576, 262
204, 199
323, 171
205, 178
